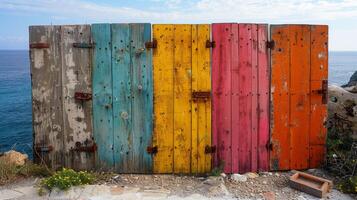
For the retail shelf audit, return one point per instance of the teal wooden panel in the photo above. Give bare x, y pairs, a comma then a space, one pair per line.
142, 102
102, 95
123, 138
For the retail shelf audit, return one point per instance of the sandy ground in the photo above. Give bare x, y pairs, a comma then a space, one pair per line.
111, 186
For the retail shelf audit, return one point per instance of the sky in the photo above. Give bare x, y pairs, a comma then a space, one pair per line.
17, 15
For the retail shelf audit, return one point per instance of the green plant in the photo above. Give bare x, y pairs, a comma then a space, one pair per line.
349, 185
67, 178
216, 171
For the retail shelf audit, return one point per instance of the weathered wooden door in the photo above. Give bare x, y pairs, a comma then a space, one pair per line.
122, 96
240, 82
61, 88
298, 95
182, 107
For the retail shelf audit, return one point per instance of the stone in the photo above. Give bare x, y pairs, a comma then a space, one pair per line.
7, 194
265, 182
269, 195
14, 157
301, 198
238, 178
223, 175
251, 175
352, 81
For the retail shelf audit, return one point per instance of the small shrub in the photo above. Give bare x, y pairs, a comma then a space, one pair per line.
349, 185
67, 178
216, 171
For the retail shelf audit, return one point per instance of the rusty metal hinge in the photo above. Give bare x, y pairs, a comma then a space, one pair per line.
80, 148
39, 45
151, 150
83, 45
323, 91
271, 44
201, 95
210, 149
210, 44
43, 149
82, 96
151, 45
269, 146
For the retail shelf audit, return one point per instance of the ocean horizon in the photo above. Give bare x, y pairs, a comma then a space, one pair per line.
15, 94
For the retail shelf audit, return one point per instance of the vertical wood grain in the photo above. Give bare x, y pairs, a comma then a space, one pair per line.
163, 73
141, 89
77, 114
46, 81
102, 96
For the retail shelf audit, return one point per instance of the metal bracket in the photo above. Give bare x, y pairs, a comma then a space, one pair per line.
210, 44
210, 149
151, 150
39, 45
151, 45
271, 44
201, 95
81, 148
82, 96
83, 45
323, 91
43, 149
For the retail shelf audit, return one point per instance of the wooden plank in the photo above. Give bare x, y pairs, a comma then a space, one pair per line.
263, 98
319, 72
221, 105
102, 96
182, 98
245, 99
122, 98
196, 104
77, 114
204, 109
141, 72
235, 82
280, 84
163, 57
254, 94
46, 83
299, 98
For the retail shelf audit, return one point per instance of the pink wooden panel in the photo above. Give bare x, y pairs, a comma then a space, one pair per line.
245, 99
254, 92
221, 86
263, 99
235, 97
240, 82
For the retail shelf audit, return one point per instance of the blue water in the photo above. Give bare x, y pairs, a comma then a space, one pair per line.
15, 94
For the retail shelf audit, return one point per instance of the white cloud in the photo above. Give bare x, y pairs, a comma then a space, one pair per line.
202, 10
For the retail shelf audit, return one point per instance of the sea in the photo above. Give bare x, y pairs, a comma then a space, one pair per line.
15, 94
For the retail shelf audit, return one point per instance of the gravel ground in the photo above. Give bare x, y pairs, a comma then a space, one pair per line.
268, 185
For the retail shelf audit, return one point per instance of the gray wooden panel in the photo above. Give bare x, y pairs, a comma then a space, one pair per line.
47, 95
77, 114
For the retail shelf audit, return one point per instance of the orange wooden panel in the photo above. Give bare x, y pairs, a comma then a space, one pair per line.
280, 81
319, 72
299, 95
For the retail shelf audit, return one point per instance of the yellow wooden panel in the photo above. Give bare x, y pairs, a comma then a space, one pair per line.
163, 57
195, 79
204, 107
182, 98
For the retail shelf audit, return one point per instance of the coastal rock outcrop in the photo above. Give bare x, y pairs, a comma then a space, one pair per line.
14, 157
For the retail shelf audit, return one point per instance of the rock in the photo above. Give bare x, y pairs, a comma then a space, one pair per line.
218, 190
265, 182
301, 198
238, 178
269, 195
342, 104
223, 175
213, 180
14, 157
352, 81
251, 175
